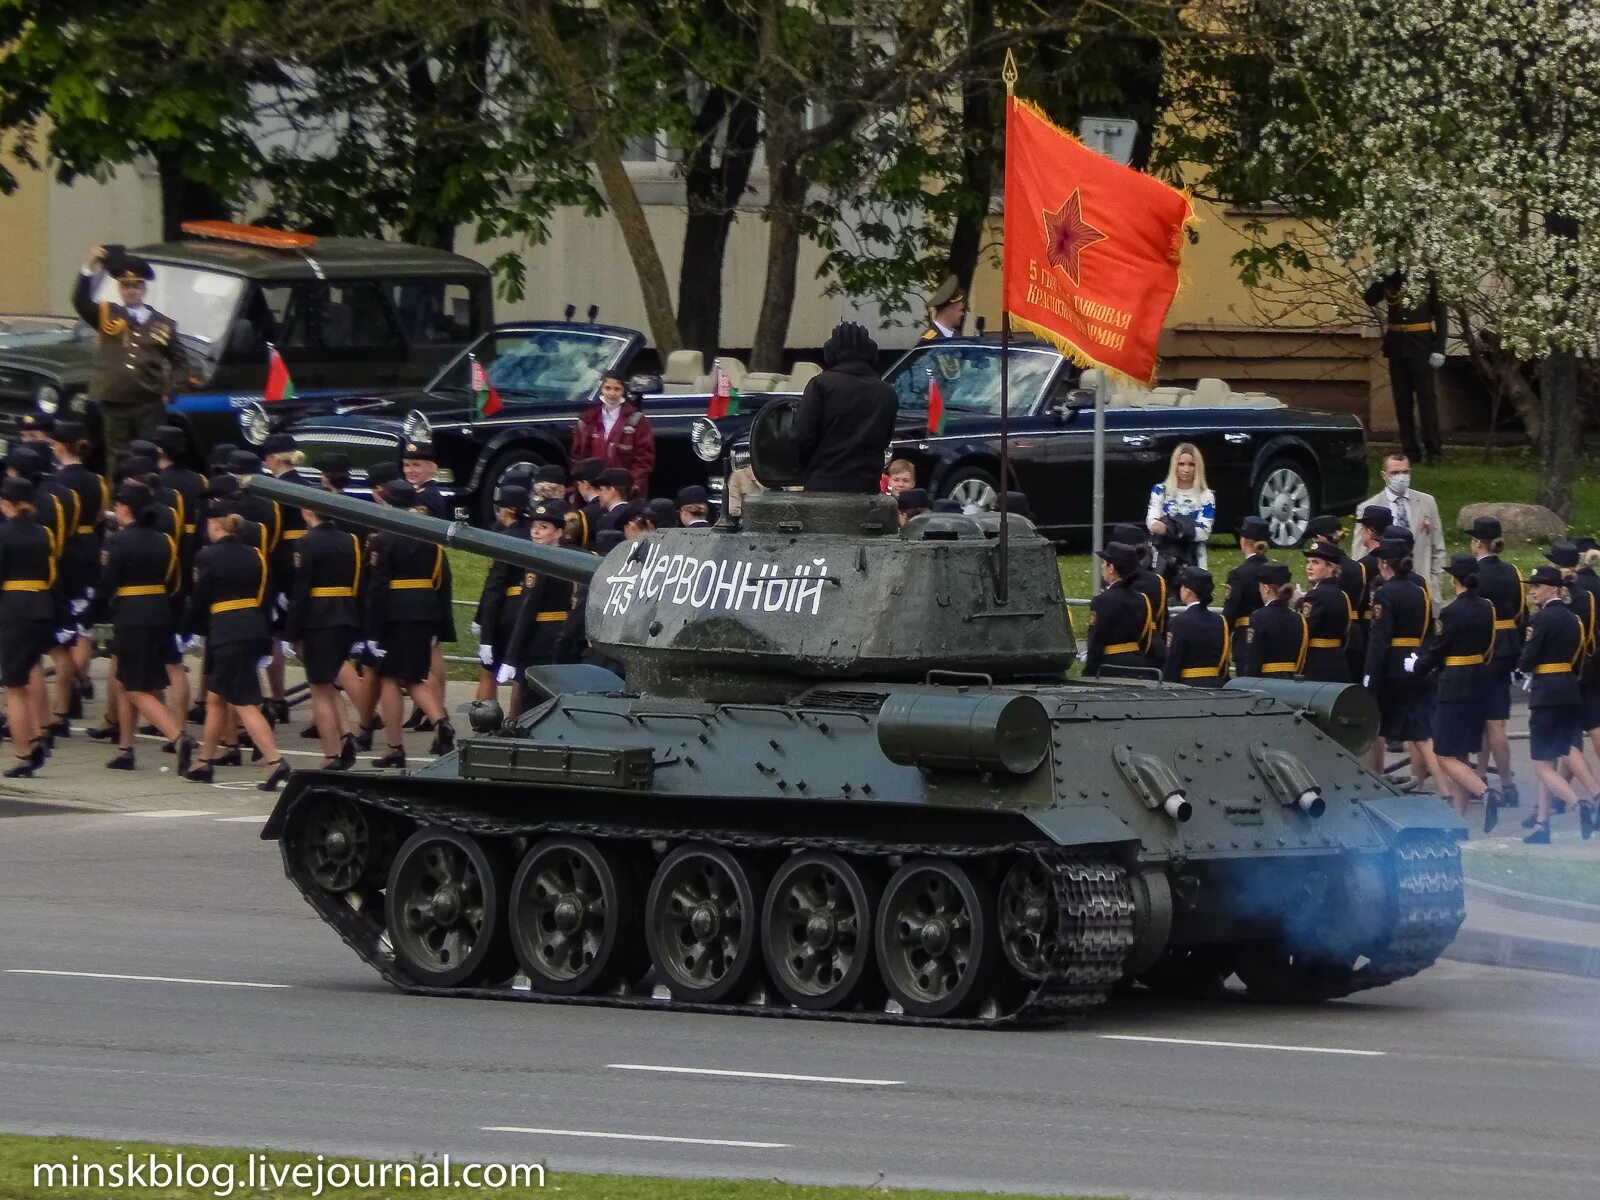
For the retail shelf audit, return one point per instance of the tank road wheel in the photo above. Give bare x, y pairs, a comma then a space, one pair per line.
1027, 912
817, 931
703, 923
574, 917
341, 843
445, 907
938, 941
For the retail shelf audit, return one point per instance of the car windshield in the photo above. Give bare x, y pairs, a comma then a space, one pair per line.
969, 378
18, 333
201, 302
538, 365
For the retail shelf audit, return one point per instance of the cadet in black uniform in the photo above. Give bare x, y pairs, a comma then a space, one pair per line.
1146, 581
138, 581
1459, 653
586, 490
543, 609
1553, 649
1198, 640
694, 507
1402, 616
409, 582
1122, 624
1275, 639
549, 483
1242, 595
1352, 579
27, 619
228, 606
611, 492
1589, 680
323, 621
501, 600
53, 508
1326, 609
1585, 605
80, 557
1501, 584
420, 466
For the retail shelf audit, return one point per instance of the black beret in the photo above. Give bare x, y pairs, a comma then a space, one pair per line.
1121, 556
1198, 580
1376, 517
135, 495
1393, 549
914, 498
551, 512
220, 454
1275, 574
142, 447
130, 268
587, 470
1547, 575
663, 512
1323, 551
1255, 529
550, 473
1129, 534
1486, 529
1323, 527
17, 490
136, 464
243, 462
693, 494
222, 486
25, 460
419, 452
511, 496
608, 540
279, 443
33, 422
615, 477
170, 438
381, 473
1563, 554
400, 493
1462, 566
69, 433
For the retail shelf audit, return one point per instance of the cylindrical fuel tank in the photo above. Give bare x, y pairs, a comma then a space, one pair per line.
1346, 712
960, 730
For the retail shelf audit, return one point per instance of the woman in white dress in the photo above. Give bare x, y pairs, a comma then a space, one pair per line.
1182, 510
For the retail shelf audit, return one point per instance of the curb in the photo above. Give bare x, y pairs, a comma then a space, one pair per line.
1524, 953
1525, 902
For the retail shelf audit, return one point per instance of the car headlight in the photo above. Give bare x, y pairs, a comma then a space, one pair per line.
706, 439
254, 423
417, 427
47, 399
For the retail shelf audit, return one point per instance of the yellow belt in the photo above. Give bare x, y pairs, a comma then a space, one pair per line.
1416, 641
1412, 327
1119, 648
1238, 621
514, 590
292, 535
26, 585
142, 589
1279, 668
1511, 624
1366, 614
410, 585
1327, 643
1200, 673
333, 593
85, 529
227, 606
1553, 669
1465, 660
188, 529
551, 616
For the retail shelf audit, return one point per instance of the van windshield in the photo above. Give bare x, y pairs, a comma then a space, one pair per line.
201, 302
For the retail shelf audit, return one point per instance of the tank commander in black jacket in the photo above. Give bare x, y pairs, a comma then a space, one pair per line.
845, 419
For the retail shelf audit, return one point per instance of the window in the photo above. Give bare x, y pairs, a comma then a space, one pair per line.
437, 312
356, 317
537, 365
201, 302
969, 378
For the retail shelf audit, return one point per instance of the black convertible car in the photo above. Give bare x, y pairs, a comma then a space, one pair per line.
1261, 457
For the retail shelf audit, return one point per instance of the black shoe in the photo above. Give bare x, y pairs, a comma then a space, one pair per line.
415, 720
201, 774
1491, 810
23, 770
255, 753
75, 705
149, 730
38, 754
46, 741
1509, 797
443, 740
310, 731
197, 713
123, 761
59, 727
280, 773
395, 758
347, 753
1586, 818
84, 686
169, 747
1540, 835
103, 733
278, 712
1529, 821
185, 752
363, 737
229, 757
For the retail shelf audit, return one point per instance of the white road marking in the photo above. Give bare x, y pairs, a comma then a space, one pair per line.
168, 814
754, 1075
636, 1137
143, 978
1176, 1041
241, 820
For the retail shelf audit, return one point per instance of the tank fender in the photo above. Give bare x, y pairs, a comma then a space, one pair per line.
1085, 825
274, 826
1399, 813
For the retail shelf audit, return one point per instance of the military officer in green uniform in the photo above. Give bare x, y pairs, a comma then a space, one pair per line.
947, 311
1414, 338
139, 357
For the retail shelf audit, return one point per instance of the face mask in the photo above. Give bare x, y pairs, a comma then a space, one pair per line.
1400, 482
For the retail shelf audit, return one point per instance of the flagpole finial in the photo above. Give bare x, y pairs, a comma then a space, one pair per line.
1008, 72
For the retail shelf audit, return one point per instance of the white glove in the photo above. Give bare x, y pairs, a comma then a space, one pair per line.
432, 642
65, 637
287, 648
79, 607
477, 629
1436, 360
376, 650
263, 663
505, 674
188, 643
1366, 681
486, 655
1411, 664
1526, 683
356, 649
89, 592
280, 603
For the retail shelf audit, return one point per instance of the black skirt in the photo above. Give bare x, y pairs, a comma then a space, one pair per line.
1553, 732
1589, 705
22, 645
143, 656
1405, 705
1457, 729
323, 652
232, 673
408, 650
1497, 689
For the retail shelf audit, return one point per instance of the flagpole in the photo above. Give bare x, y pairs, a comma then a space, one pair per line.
1008, 73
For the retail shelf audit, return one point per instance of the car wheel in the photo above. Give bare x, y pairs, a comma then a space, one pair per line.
974, 489
516, 461
1284, 500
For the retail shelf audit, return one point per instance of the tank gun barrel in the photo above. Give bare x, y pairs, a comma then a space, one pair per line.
560, 561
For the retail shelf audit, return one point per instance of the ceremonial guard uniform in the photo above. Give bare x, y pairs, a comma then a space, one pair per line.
1402, 616
1551, 656
1242, 595
1459, 653
1121, 622
1198, 640
410, 580
1414, 337
27, 616
1326, 609
1275, 640
324, 616
227, 606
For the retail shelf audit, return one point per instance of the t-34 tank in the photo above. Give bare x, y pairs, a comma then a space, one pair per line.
845, 777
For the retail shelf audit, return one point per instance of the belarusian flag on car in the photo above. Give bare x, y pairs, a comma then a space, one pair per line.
935, 406
724, 399
279, 385
485, 400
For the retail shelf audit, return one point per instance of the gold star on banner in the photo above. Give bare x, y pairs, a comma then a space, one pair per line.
1067, 235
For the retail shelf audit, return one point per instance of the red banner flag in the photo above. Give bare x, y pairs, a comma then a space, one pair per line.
1091, 247
935, 407
724, 400
485, 400
279, 385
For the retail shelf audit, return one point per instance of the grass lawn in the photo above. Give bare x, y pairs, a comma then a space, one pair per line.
1565, 879
19, 1154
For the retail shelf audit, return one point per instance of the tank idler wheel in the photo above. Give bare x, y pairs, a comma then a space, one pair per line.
938, 940
1190, 972
817, 930
574, 917
341, 843
445, 908
1274, 974
1027, 913
703, 923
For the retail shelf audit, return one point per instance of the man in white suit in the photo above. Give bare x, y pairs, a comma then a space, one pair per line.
1418, 512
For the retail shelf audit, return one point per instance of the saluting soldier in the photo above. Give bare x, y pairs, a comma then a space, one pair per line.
139, 357
1548, 666
1198, 640
1242, 594
947, 311
545, 606
410, 582
1275, 639
323, 622
27, 619
1121, 622
501, 599
1326, 609
1402, 616
139, 578
1459, 654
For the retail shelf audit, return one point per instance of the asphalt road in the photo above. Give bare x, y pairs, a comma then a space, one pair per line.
1465, 1082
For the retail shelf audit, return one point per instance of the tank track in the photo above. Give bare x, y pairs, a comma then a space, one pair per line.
1093, 906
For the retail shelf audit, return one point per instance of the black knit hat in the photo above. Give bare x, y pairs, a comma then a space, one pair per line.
849, 342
